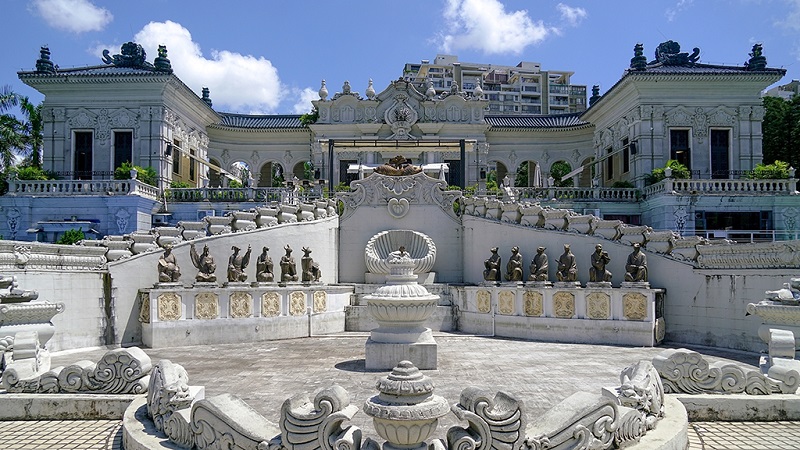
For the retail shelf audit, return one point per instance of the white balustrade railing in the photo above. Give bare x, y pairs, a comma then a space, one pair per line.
578, 193
259, 194
711, 187
81, 187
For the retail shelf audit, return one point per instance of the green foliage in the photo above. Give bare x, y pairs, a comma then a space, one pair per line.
781, 130
558, 170
622, 184
146, 175
678, 171
310, 117
234, 184
180, 185
308, 170
20, 136
341, 187
33, 173
71, 237
776, 171
491, 182
522, 174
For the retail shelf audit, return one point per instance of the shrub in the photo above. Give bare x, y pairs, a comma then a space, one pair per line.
775, 171
71, 237
678, 171
34, 173
180, 185
234, 184
146, 175
622, 184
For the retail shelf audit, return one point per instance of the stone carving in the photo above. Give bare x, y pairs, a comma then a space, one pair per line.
264, 267
241, 304
297, 303
491, 266
585, 421
505, 302
567, 266
317, 426
564, 305
494, 422
119, 371
270, 304
636, 266
169, 306
398, 208
237, 264
225, 421
144, 309
514, 268
634, 306
398, 166
688, 372
539, 266
167, 392
311, 270
757, 59
168, 269
641, 389
598, 305
483, 301
205, 265
533, 303
600, 259
638, 62
669, 54
320, 301
420, 248
288, 267
206, 305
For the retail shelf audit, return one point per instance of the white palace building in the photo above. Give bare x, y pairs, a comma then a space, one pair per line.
674, 107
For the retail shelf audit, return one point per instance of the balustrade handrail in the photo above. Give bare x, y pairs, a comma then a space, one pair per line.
723, 186
257, 194
81, 187
579, 193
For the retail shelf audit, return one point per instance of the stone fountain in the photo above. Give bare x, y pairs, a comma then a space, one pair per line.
779, 310
401, 308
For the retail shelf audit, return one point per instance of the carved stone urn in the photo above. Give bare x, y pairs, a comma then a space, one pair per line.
405, 412
401, 308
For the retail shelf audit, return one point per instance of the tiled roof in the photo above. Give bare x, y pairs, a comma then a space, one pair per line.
260, 121
101, 70
702, 69
551, 121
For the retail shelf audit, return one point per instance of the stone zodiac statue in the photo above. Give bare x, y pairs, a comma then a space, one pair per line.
539, 266
636, 266
168, 270
264, 267
598, 272
492, 267
205, 265
567, 266
288, 267
236, 265
514, 267
311, 271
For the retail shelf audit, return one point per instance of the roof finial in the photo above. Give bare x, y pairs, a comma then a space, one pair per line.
595, 95
162, 62
206, 97
43, 64
639, 61
757, 60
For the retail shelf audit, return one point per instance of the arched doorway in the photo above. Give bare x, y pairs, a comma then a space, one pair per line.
558, 170
270, 175
497, 171
240, 171
303, 170
529, 174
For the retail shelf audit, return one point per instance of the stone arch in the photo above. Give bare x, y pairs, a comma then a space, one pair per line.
500, 168
271, 174
299, 170
558, 169
214, 176
527, 174
240, 171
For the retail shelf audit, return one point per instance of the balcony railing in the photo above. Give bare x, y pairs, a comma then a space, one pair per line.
257, 194
722, 187
56, 188
578, 194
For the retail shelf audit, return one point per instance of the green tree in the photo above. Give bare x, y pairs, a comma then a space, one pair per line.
778, 170
781, 130
33, 132
10, 129
558, 170
522, 174
678, 171
71, 237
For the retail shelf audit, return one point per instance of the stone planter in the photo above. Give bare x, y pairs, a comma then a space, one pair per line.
193, 230
320, 209
511, 212
661, 241
555, 219
305, 212
244, 220
118, 248
288, 213
168, 236
332, 207
480, 207
267, 217
630, 235
581, 224
142, 242
468, 203
607, 229
531, 215
685, 248
30, 316
218, 224
775, 315
494, 209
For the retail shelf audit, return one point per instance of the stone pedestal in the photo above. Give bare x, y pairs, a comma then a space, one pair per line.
423, 353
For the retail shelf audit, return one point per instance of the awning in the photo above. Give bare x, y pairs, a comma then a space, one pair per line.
369, 168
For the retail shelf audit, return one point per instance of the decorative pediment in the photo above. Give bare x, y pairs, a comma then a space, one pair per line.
82, 118
722, 116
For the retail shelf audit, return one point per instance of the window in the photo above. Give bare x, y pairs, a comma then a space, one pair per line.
83, 155
176, 157
123, 147
720, 151
626, 156
609, 163
679, 147
192, 164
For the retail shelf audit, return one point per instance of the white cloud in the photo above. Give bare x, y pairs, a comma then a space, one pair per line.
572, 15
792, 18
304, 98
485, 25
680, 6
76, 16
238, 83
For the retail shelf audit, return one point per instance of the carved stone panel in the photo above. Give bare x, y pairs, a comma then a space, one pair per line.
505, 302
241, 304
169, 306
206, 305
598, 305
320, 301
533, 303
564, 305
483, 301
270, 304
634, 306
297, 303
144, 309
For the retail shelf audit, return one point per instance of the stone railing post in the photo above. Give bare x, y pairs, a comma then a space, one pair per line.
792, 182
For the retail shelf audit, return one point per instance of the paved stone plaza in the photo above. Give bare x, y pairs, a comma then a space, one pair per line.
265, 374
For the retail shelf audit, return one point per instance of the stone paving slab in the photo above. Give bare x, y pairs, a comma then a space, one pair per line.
61, 434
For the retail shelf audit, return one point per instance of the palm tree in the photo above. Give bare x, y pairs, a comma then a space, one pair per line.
20, 137
10, 136
32, 132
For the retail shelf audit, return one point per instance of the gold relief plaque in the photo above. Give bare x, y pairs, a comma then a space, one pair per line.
505, 302
144, 310
206, 306
484, 301
564, 305
270, 304
241, 304
320, 301
533, 303
297, 303
634, 306
169, 306
598, 306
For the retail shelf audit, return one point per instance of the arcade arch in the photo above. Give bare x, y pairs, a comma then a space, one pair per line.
271, 174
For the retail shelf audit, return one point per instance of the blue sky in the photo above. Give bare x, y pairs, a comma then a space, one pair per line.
269, 56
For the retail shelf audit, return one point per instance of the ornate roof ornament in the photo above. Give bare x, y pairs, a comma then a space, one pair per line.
323, 91
43, 64
595, 95
347, 90
370, 90
162, 62
757, 60
401, 117
206, 98
478, 92
431, 92
669, 54
132, 55
638, 62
